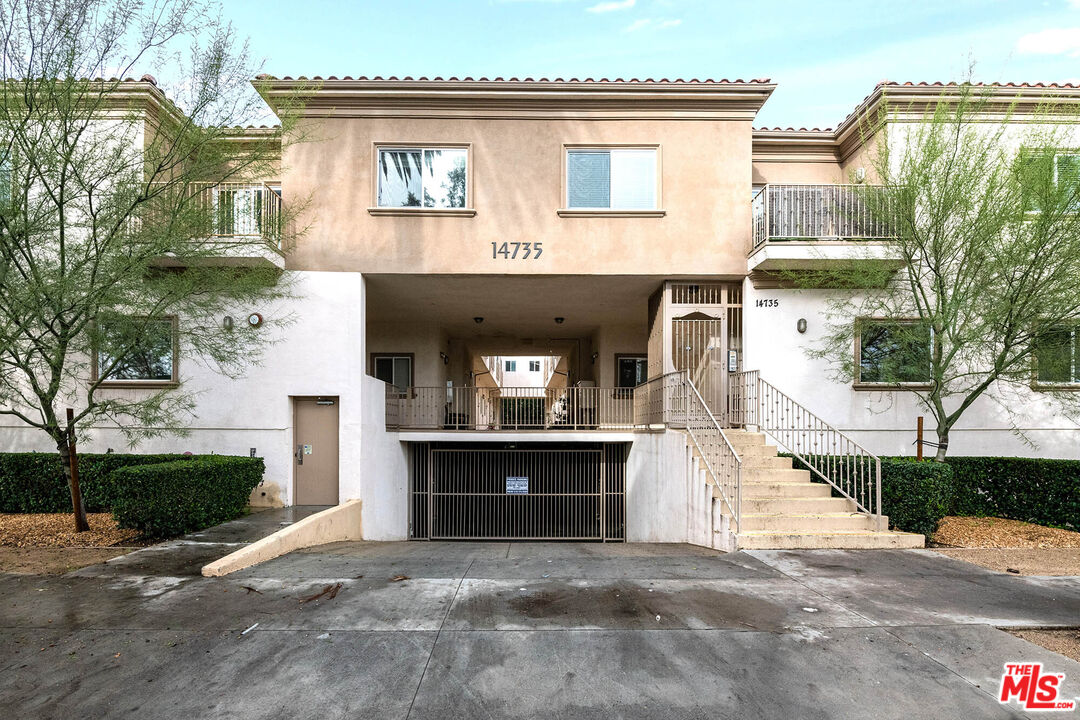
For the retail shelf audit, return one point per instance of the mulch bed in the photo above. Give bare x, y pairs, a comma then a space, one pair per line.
991, 532
58, 530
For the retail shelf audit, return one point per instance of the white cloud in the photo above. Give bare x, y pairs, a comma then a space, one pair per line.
1052, 41
613, 5
1074, 4
649, 23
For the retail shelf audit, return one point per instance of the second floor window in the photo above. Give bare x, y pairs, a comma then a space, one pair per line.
1057, 356
1056, 174
613, 179
510, 366
534, 366
423, 177
892, 352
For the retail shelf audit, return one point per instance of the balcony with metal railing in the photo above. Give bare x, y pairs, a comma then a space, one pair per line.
246, 222
814, 226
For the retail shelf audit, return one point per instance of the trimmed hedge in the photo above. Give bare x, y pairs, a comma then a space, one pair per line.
915, 495
34, 482
183, 496
1035, 490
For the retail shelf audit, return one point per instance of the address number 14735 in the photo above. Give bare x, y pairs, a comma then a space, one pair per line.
516, 250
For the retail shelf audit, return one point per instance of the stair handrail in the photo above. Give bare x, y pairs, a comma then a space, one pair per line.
722, 463
829, 453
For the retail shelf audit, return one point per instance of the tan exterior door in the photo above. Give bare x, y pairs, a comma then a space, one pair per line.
315, 450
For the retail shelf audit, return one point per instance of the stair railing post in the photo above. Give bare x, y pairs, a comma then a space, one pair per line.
878, 491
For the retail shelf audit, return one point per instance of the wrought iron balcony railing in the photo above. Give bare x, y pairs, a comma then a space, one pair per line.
783, 213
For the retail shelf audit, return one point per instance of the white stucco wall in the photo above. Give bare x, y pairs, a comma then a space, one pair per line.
885, 421
383, 478
320, 353
658, 484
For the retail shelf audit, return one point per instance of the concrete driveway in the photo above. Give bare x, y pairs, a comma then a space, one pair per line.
522, 630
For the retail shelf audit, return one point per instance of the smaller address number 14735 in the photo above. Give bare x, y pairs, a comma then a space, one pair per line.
516, 250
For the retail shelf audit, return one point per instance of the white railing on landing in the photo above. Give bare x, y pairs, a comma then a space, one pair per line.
851, 469
668, 401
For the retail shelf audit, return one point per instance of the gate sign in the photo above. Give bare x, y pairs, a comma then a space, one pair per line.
517, 485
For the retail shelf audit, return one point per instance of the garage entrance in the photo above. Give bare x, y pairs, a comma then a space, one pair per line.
501, 491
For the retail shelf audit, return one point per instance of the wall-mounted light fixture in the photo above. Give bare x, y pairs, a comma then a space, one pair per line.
478, 319
445, 358
801, 325
560, 320
594, 356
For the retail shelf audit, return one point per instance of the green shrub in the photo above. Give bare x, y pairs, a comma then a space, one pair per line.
34, 482
915, 495
1035, 490
183, 496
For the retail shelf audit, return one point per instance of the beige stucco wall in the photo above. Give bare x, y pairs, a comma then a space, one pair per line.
423, 340
612, 340
517, 187
796, 172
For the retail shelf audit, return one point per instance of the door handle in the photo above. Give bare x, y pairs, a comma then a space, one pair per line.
299, 454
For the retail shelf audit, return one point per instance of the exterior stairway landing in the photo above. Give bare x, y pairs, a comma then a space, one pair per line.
782, 508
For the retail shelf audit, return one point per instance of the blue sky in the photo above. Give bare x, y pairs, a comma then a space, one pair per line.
825, 56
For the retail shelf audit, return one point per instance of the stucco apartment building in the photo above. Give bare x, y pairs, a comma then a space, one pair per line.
629, 237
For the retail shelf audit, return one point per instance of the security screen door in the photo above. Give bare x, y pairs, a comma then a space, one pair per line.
699, 346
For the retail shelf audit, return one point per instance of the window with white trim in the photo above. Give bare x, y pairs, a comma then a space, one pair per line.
611, 179
534, 366
1045, 174
422, 177
510, 365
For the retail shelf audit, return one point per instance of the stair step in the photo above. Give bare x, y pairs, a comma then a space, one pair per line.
785, 523
843, 539
774, 475
755, 451
765, 462
796, 505
785, 489
741, 437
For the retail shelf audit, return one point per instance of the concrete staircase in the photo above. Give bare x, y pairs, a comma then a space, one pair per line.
783, 509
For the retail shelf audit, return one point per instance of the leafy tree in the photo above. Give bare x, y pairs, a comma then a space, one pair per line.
982, 205
116, 206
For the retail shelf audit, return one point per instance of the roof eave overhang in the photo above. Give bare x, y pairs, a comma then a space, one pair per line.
508, 99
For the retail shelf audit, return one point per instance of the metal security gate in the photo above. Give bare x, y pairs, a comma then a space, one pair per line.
543, 491
700, 346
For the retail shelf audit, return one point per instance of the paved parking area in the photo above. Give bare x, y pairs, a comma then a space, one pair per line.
522, 630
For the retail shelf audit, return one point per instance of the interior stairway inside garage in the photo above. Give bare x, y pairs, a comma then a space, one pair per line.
782, 508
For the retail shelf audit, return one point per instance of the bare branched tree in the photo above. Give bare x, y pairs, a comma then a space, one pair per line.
118, 199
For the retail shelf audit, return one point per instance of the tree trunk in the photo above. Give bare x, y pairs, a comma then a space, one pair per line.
943, 445
70, 460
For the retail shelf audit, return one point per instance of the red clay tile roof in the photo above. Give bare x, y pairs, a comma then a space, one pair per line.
995, 84
636, 81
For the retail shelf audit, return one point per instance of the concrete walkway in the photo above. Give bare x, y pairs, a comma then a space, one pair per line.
522, 630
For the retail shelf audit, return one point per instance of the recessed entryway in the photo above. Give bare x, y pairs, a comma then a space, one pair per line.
315, 450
